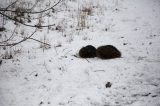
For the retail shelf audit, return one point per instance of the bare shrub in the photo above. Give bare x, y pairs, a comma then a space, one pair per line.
83, 15
44, 43
8, 54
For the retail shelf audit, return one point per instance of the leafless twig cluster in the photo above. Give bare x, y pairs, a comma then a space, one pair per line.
19, 15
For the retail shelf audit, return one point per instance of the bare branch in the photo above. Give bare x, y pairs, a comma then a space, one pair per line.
24, 23
34, 5
10, 36
7, 8
35, 18
13, 44
36, 12
39, 41
10, 5
4, 11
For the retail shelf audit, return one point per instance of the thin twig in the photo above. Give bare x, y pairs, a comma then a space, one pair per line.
9, 17
10, 5
55, 50
1, 9
39, 41
46, 68
7, 8
10, 36
24, 23
87, 60
99, 71
34, 5
13, 44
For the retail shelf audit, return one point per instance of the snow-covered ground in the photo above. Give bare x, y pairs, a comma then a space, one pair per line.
55, 77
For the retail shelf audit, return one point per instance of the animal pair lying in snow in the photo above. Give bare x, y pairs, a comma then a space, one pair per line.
103, 52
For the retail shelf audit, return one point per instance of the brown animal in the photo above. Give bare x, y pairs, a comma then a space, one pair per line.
2, 29
88, 51
108, 52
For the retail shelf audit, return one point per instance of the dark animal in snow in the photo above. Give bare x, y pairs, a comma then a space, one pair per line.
108, 52
0, 62
2, 29
108, 85
88, 51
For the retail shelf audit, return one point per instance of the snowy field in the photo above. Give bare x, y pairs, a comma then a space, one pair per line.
57, 77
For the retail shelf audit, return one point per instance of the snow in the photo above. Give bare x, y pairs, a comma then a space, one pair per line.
55, 77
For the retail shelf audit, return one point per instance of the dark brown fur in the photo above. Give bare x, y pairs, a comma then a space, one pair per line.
108, 52
88, 51
2, 29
